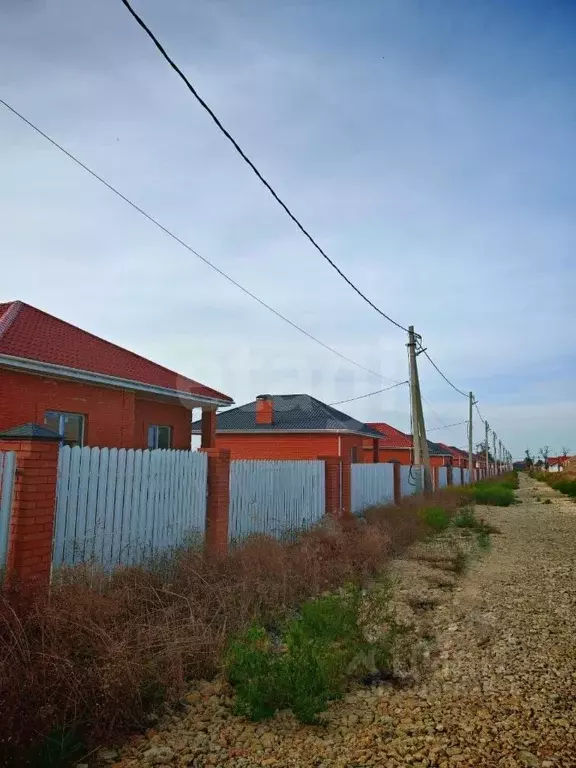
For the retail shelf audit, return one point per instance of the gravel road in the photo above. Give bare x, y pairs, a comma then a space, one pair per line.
499, 689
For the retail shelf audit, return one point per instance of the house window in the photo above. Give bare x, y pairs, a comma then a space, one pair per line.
159, 436
70, 425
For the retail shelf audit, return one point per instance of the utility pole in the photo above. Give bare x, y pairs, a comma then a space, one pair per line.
470, 437
495, 454
487, 446
501, 452
421, 453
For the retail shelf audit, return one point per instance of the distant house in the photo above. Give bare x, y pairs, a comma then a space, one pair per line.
459, 457
396, 446
91, 391
557, 463
290, 427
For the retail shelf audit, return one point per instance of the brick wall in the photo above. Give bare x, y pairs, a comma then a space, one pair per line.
300, 445
33, 508
402, 455
279, 446
152, 412
114, 417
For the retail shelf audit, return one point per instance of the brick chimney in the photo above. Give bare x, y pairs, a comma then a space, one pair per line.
264, 409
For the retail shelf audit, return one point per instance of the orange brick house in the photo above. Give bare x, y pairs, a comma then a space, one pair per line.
396, 446
290, 427
91, 391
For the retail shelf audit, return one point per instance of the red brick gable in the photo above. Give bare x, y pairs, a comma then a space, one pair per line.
29, 333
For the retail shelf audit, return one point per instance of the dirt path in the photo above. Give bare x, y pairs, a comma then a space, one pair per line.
501, 690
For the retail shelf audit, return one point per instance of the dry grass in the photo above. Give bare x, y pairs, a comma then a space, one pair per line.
99, 653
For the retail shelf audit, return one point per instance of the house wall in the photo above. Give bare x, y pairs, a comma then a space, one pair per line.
150, 412
299, 445
401, 455
113, 417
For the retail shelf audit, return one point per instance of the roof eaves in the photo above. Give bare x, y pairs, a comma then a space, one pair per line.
196, 430
35, 366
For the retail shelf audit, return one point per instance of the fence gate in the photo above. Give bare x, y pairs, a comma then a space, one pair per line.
7, 475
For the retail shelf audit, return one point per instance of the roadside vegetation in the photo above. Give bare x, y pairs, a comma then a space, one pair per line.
566, 485
309, 660
497, 492
87, 664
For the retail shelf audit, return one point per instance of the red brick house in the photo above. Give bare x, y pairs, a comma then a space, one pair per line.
290, 427
91, 391
459, 457
396, 446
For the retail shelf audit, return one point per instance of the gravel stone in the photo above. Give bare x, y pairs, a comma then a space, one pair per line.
496, 690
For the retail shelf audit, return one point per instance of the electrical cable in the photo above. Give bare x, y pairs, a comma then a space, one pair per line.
249, 162
189, 248
447, 426
446, 379
369, 394
482, 419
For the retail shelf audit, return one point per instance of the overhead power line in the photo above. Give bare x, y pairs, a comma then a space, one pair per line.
251, 164
369, 394
189, 248
446, 379
447, 426
479, 414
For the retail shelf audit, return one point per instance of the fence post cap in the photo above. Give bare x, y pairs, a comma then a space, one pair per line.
30, 431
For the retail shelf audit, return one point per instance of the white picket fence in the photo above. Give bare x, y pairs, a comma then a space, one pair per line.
276, 498
372, 484
7, 475
120, 507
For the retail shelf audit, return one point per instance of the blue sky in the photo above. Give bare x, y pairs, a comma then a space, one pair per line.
429, 146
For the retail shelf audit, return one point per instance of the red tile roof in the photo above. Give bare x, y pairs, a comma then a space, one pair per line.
456, 452
391, 437
29, 333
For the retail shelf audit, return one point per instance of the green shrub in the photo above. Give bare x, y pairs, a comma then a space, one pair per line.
319, 649
436, 518
493, 494
466, 519
253, 670
483, 539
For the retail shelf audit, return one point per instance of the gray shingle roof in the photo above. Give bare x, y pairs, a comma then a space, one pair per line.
437, 450
296, 413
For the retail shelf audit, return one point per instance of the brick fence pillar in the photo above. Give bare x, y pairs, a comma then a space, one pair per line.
449, 475
332, 484
461, 476
435, 478
217, 502
397, 483
31, 529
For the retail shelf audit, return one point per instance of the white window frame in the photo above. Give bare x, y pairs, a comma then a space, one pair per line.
156, 428
62, 416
